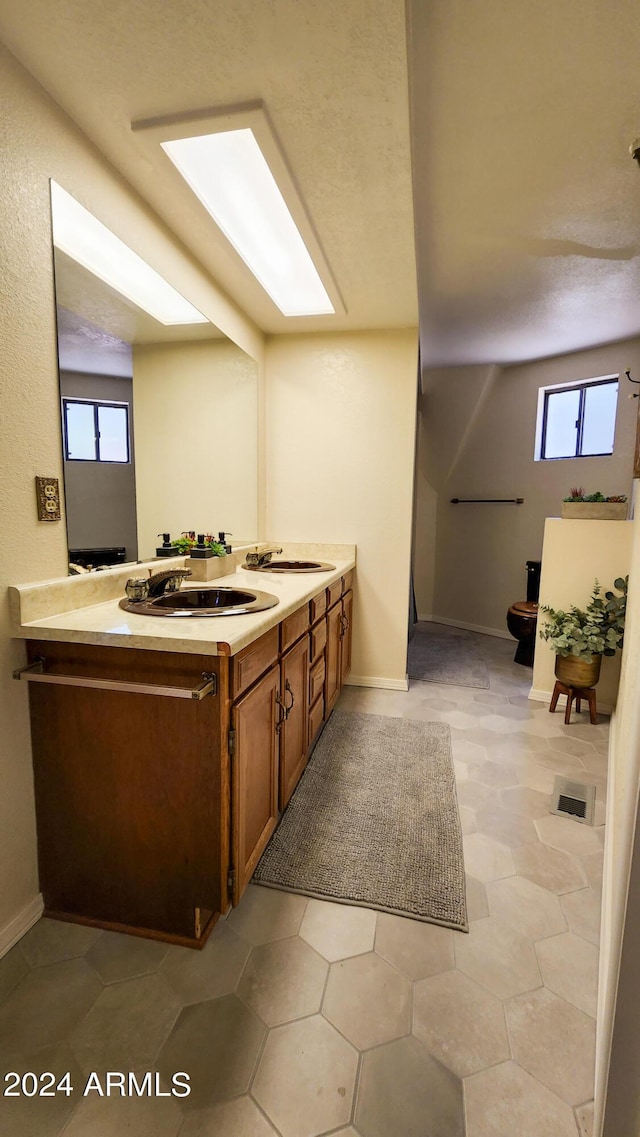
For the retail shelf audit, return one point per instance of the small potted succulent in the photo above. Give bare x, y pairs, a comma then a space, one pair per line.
580, 505
580, 637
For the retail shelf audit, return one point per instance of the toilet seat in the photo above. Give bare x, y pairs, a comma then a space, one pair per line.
525, 608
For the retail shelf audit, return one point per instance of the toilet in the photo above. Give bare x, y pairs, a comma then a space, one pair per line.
522, 617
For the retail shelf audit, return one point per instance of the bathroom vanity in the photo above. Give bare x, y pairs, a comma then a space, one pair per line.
163, 758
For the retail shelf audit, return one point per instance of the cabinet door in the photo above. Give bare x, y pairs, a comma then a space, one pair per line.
345, 651
334, 638
294, 732
254, 785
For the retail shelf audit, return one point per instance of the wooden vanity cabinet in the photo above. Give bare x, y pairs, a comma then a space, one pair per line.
131, 792
153, 810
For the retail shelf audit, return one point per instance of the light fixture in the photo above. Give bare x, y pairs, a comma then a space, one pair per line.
86, 240
232, 161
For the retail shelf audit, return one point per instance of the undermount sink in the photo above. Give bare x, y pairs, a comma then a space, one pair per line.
203, 602
292, 566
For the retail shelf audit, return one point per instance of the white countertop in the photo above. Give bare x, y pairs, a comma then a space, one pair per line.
107, 624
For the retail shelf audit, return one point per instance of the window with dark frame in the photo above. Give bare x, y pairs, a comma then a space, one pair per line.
95, 431
579, 421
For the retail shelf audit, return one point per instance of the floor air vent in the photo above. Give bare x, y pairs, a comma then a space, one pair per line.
573, 799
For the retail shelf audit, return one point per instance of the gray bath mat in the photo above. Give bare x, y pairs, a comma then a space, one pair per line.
375, 822
441, 657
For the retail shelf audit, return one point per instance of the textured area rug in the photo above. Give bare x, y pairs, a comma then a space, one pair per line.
441, 657
374, 821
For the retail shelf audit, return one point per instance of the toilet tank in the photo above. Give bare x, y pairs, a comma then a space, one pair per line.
533, 580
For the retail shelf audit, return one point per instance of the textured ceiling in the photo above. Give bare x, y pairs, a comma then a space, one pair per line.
527, 203
333, 77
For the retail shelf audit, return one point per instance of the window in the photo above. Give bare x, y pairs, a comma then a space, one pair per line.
95, 432
577, 420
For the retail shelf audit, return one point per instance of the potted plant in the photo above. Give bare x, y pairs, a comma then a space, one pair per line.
580, 637
580, 505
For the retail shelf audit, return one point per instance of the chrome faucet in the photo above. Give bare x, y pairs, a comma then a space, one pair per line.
259, 560
168, 580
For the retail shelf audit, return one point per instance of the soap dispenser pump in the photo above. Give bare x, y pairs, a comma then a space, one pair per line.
166, 549
222, 537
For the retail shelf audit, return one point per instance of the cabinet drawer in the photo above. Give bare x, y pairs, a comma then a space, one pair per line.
334, 592
316, 718
347, 581
318, 639
316, 680
250, 663
318, 606
293, 627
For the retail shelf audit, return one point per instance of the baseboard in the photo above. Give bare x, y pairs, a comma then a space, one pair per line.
499, 633
422, 616
545, 697
378, 681
16, 928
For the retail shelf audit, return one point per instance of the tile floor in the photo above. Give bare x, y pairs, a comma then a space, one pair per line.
303, 1018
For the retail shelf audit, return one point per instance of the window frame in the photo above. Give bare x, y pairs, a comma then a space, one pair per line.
582, 387
96, 404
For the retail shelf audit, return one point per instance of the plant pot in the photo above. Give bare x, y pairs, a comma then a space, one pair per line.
595, 510
574, 672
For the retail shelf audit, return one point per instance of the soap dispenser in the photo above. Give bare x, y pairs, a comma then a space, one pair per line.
222, 537
166, 549
201, 551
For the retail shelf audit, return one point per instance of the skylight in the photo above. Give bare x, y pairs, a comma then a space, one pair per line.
86, 240
229, 174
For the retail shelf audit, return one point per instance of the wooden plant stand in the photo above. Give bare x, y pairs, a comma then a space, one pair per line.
577, 694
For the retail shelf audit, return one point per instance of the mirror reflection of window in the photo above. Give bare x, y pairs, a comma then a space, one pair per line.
95, 432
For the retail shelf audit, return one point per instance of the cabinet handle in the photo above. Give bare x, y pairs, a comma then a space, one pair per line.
35, 673
287, 688
344, 624
284, 713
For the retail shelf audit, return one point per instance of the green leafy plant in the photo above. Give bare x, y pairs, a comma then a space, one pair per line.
596, 630
577, 493
187, 542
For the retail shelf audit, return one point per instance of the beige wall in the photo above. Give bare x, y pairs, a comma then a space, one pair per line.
196, 435
575, 554
479, 437
425, 515
340, 435
39, 142
618, 1027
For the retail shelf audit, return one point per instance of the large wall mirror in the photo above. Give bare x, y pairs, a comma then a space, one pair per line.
159, 424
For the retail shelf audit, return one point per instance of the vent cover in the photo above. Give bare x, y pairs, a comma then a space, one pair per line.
573, 799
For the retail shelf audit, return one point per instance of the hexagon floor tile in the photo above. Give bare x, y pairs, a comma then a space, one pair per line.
417, 949
306, 1078
554, 1042
504, 1101
283, 980
368, 1000
338, 931
498, 958
460, 1023
217, 1043
404, 1091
